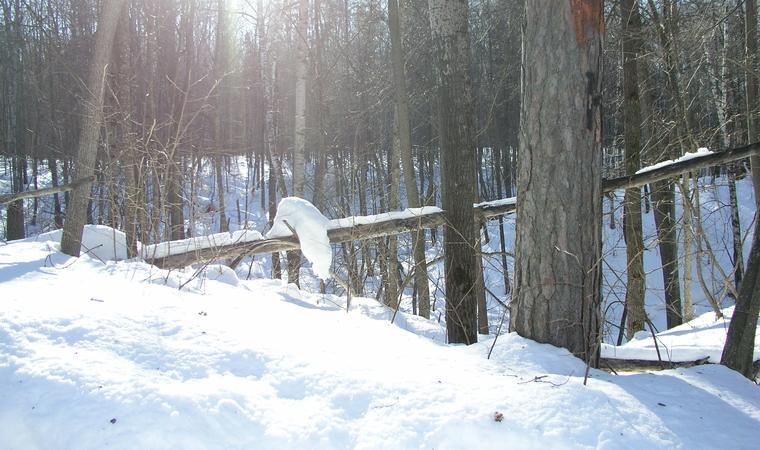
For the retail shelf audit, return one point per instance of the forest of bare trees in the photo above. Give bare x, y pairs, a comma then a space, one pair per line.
363, 107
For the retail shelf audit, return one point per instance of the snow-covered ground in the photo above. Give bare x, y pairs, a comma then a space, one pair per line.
101, 354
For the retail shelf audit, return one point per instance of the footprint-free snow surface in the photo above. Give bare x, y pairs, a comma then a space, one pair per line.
98, 355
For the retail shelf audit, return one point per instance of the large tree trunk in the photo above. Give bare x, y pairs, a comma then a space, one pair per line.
448, 21
632, 228
740, 342
16, 129
750, 42
405, 144
87, 151
558, 248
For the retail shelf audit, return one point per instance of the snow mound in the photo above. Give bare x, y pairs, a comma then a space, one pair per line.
99, 241
222, 274
703, 337
310, 226
122, 362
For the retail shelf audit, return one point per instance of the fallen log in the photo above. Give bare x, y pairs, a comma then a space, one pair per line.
675, 169
9, 198
642, 365
370, 227
340, 230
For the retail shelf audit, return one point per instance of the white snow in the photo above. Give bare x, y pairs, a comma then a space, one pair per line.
702, 337
97, 355
702, 151
497, 203
99, 241
310, 226
408, 213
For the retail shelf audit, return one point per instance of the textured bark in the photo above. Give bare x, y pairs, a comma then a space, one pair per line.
76, 212
750, 42
558, 245
405, 150
448, 22
740, 342
16, 128
632, 229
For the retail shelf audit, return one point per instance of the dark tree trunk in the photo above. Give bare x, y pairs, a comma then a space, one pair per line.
740, 342
632, 227
753, 135
664, 217
448, 22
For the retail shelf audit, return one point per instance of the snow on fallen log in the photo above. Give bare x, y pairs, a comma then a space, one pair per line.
493, 208
687, 163
164, 250
702, 151
183, 253
296, 215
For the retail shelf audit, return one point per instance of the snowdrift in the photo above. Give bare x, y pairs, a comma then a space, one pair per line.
97, 354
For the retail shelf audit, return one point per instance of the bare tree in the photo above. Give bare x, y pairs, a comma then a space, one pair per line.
448, 21
76, 212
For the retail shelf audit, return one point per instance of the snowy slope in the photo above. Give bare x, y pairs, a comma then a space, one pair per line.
112, 355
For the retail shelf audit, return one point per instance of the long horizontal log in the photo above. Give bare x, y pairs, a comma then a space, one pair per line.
336, 235
493, 209
677, 168
640, 365
9, 198
391, 226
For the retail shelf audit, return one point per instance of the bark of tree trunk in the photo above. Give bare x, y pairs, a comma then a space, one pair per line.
750, 43
632, 226
558, 245
740, 342
87, 151
405, 149
448, 22
664, 217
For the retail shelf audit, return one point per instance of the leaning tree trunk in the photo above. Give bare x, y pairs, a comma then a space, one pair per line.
632, 227
740, 342
753, 135
448, 21
76, 212
558, 245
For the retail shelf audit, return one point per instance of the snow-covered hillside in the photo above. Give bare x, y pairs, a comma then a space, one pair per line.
113, 355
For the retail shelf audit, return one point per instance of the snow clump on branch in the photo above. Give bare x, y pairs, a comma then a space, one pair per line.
310, 226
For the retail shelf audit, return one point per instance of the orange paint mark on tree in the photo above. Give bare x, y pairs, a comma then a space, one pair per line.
588, 18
